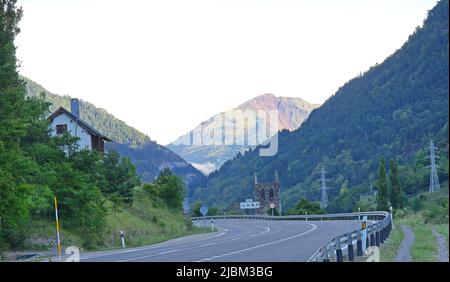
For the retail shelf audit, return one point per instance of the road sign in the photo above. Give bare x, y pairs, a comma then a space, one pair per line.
204, 210
272, 205
249, 204
364, 234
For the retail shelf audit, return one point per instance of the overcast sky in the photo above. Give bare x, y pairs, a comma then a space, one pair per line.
165, 66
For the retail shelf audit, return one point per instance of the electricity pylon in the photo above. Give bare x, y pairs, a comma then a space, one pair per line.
434, 181
323, 189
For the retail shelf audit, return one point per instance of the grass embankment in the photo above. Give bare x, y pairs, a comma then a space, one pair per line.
389, 249
425, 212
145, 222
443, 230
425, 247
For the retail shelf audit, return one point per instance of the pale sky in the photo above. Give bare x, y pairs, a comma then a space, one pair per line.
165, 66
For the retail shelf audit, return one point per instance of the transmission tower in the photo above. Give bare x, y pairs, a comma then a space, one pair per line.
434, 181
323, 189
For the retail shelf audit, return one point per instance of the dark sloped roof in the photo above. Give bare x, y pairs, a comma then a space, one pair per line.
82, 123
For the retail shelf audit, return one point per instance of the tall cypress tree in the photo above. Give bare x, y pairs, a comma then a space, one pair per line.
382, 185
396, 195
12, 124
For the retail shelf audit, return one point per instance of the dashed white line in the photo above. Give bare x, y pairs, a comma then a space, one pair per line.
206, 245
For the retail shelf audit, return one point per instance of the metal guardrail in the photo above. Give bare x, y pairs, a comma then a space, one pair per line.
377, 233
378, 227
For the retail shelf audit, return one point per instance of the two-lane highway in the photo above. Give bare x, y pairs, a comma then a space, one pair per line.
238, 240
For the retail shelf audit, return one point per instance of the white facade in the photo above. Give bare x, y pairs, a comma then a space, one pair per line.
72, 127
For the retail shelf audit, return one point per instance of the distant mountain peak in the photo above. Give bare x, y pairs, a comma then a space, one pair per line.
291, 113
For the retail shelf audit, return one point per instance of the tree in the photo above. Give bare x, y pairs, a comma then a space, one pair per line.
276, 212
396, 194
382, 197
15, 119
196, 209
120, 178
304, 206
170, 188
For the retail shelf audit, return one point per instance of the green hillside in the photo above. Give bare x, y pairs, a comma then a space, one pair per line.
99, 118
392, 110
148, 156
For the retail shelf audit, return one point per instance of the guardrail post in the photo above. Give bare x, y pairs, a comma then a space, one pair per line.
372, 236
337, 246
325, 257
359, 251
351, 254
388, 227
383, 232
377, 235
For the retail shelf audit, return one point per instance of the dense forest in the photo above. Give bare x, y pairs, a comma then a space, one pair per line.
393, 110
148, 156
91, 188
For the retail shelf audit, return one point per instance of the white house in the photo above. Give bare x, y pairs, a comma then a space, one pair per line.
62, 121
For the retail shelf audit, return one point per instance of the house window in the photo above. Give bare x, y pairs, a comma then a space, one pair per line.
61, 129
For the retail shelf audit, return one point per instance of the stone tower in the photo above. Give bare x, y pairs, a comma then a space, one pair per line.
267, 193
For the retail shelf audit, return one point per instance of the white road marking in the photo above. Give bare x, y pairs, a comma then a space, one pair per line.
314, 227
168, 252
266, 229
174, 251
161, 245
147, 256
206, 245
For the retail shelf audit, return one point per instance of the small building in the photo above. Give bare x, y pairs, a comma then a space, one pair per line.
62, 121
267, 194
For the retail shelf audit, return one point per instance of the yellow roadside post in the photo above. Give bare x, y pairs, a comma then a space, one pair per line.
57, 229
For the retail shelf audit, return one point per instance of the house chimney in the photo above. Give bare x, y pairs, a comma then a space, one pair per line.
75, 107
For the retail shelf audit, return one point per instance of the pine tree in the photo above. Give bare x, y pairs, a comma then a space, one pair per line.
396, 194
382, 185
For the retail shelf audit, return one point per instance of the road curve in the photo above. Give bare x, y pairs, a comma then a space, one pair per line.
238, 240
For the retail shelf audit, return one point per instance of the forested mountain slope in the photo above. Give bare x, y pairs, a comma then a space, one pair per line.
392, 110
148, 156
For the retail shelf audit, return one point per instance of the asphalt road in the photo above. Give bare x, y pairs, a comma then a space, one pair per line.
237, 241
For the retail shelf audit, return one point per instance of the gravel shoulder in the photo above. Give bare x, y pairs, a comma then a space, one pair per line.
442, 246
404, 252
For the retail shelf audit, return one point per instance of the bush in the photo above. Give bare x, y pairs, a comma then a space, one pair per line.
304, 206
276, 212
436, 213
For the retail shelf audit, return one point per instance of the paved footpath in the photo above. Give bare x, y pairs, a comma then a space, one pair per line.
404, 251
442, 246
